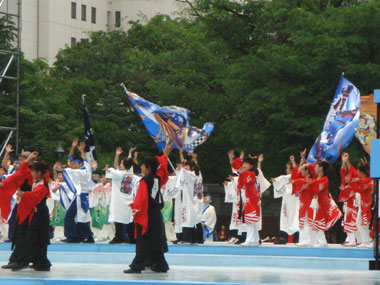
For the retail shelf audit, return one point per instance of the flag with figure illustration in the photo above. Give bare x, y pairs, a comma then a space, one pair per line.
340, 125
169, 124
366, 130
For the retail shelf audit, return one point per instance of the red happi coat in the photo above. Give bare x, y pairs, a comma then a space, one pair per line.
141, 202
30, 200
251, 207
11, 185
301, 188
364, 186
347, 195
327, 213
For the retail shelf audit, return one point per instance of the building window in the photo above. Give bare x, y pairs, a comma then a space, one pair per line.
117, 19
83, 12
93, 15
73, 10
73, 41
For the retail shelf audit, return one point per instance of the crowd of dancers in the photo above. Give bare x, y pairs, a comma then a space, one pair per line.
307, 205
151, 202
146, 203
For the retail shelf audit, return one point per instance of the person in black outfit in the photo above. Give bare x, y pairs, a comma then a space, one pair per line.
149, 226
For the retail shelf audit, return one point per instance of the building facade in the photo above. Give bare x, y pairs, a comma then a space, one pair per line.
50, 25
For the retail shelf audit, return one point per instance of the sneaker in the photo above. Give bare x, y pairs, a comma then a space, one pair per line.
20, 266
349, 244
10, 265
250, 244
70, 240
321, 245
303, 244
363, 245
89, 240
131, 271
233, 240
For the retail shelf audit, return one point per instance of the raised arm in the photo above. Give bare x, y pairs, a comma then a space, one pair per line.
72, 150
181, 157
260, 161
81, 148
293, 161
303, 156
5, 160
118, 152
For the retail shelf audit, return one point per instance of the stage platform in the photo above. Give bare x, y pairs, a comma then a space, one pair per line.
218, 263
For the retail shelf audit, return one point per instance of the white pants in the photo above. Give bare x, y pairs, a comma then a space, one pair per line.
304, 237
253, 233
318, 237
363, 231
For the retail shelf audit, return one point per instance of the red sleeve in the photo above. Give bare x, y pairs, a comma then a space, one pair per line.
346, 194
10, 186
237, 163
241, 180
298, 186
30, 200
141, 204
353, 173
315, 184
343, 173
162, 171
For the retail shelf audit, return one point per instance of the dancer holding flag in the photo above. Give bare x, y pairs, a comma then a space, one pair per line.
150, 230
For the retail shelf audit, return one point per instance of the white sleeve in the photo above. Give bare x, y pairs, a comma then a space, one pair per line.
263, 182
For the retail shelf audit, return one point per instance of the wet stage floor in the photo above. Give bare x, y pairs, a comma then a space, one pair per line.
79, 273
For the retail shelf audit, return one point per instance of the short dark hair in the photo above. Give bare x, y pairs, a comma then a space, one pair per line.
128, 163
324, 164
40, 166
190, 163
362, 168
151, 163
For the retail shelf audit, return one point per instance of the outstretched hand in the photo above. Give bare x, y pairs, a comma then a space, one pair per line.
260, 158
82, 146
75, 142
9, 148
231, 154
303, 153
119, 150
291, 158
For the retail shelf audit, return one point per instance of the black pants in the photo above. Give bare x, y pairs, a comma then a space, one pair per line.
193, 235
30, 244
121, 232
12, 223
147, 255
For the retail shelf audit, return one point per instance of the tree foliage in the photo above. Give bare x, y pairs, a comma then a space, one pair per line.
263, 71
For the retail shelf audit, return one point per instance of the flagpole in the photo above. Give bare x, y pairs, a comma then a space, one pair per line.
171, 165
83, 98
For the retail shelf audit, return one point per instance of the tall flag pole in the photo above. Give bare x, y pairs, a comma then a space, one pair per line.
169, 124
340, 125
88, 135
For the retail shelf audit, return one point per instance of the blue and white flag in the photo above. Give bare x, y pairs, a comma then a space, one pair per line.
88, 138
169, 124
340, 125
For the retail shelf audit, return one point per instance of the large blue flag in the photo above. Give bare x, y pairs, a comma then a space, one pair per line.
169, 124
340, 124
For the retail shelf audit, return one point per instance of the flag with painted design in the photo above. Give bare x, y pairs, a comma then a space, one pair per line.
169, 124
340, 125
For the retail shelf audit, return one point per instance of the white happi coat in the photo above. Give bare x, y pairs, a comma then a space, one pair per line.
124, 188
289, 218
80, 181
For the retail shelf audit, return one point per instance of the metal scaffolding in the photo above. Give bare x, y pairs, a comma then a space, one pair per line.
12, 55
